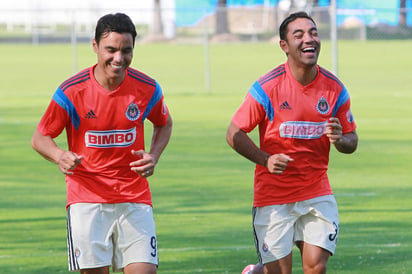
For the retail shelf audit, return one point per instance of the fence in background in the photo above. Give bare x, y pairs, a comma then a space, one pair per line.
245, 24
253, 23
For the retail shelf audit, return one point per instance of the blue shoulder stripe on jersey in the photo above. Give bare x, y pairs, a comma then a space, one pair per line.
61, 99
157, 95
342, 99
261, 97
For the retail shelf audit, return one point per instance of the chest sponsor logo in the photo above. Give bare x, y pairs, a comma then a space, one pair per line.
302, 129
110, 138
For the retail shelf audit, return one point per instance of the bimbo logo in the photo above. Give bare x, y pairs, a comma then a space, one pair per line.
302, 130
110, 138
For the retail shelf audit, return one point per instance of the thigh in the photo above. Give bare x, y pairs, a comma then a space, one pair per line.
320, 226
89, 227
273, 228
135, 236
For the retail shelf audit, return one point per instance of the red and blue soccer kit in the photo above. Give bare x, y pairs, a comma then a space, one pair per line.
291, 120
104, 127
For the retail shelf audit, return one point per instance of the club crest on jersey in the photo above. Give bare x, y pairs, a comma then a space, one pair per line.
323, 106
132, 112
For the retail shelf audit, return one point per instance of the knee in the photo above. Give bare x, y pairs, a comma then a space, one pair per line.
315, 268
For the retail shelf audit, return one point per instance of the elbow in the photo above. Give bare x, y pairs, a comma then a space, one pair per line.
34, 142
350, 145
230, 137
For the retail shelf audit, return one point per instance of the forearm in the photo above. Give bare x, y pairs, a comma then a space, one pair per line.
347, 143
160, 138
46, 147
242, 144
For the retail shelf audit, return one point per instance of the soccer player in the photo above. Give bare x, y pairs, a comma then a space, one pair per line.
103, 109
300, 109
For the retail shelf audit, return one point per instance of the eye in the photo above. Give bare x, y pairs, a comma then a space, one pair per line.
298, 36
111, 50
127, 50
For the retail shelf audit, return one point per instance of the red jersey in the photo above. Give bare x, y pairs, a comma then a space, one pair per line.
291, 120
104, 127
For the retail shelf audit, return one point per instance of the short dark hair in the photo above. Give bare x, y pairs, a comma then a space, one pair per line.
292, 17
118, 22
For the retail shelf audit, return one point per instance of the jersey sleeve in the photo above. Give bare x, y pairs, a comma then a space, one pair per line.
53, 120
157, 111
343, 112
251, 112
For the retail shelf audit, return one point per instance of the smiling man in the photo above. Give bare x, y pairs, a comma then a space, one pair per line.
300, 109
103, 109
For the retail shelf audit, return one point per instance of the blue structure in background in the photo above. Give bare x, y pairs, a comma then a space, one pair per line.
375, 12
371, 12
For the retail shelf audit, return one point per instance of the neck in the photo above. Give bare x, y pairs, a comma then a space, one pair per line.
108, 83
304, 74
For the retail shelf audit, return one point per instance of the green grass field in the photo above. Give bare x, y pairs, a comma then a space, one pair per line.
202, 190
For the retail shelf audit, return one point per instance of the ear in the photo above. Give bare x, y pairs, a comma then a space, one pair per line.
95, 45
284, 46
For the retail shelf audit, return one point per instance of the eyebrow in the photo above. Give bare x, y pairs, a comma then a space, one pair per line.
115, 48
300, 30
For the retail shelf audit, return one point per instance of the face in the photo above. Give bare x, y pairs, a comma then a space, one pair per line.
302, 44
114, 55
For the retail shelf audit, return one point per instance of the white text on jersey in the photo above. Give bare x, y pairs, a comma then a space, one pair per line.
302, 129
110, 138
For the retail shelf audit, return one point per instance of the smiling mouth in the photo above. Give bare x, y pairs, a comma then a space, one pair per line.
309, 49
116, 66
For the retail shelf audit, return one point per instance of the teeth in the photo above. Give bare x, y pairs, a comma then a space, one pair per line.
116, 67
308, 49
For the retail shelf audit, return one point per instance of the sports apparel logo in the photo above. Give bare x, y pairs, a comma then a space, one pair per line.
349, 116
90, 115
77, 252
110, 138
323, 106
302, 129
132, 112
285, 105
164, 109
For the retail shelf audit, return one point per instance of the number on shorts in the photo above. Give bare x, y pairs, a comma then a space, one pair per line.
332, 237
153, 244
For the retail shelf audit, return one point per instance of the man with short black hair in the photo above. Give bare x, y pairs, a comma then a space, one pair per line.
300, 109
103, 109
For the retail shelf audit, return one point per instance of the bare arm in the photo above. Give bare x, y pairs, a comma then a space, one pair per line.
240, 142
147, 162
345, 143
46, 147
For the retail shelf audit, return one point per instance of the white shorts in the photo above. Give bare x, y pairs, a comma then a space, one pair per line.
101, 235
277, 228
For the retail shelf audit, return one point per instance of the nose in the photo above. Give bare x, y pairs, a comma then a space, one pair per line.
118, 56
308, 38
